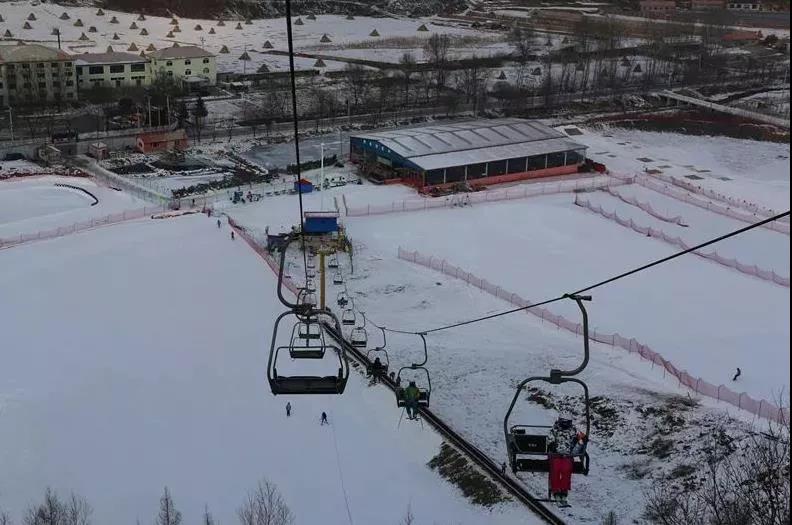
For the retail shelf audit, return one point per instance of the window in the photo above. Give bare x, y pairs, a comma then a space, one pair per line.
79, 71
54, 65
68, 64
70, 82
496, 168
433, 177
206, 70
554, 160
117, 68
70, 95
25, 66
537, 162
455, 174
56, 85
188, 71
170, 73
516, 165
187, 62
40, 74
10, 68
476, 171
26, 85
575, 157
138, 82
96, 70
205, 60
40, 65
68, 74
138, 67
168, 63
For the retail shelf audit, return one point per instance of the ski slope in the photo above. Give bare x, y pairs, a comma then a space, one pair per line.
32, 204
141, 363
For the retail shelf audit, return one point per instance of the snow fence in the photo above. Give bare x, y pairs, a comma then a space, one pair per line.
645, 206
259, 245
761, 408
748, 269
674, 193
76, 227
464, 199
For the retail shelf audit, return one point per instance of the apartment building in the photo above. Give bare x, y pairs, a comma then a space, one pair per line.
184, 63
35, 74
113, 69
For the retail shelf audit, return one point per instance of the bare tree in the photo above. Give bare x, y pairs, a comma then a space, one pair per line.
407, 63
168, 515
4, 518
356, 79
522, 39
207, 519
78, 511
409, 517
436, 51
265, 506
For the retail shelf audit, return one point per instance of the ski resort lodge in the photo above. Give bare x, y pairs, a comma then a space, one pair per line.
478, 152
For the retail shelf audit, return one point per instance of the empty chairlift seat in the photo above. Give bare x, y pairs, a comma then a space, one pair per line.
358, 338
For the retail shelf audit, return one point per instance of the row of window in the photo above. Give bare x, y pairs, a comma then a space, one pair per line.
503, 167
53, 65
187, 62
41, 85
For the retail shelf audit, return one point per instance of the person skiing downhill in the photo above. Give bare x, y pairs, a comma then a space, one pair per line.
411, 395
218, 223
232, 235
324, 420
288, 409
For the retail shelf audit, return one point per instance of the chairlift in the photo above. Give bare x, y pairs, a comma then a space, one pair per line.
359, 337
531, 448
378, 358
310, 263
310, 273
333, 262
424, 392
309, 329
305, 297
348, 317
303, 334
310, 285
338, 278
342, 298
305, 384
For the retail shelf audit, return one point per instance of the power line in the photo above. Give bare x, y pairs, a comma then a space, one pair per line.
593, 286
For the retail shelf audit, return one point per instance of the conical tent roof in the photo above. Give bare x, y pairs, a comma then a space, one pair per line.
224, 50
244, 56
32, 17
92, 29
141, 17
99, 12
132, 47
374, 32
144, 31
176, 29
109, 49
27, 26
83, 36
325, 39
64, 16
311, 17
151, 47
263, 69
78, 23
7, 33
220, 23
175, 44
133, 25
198, 27
114, 20
212, 31
169, 35
267, 45
298, 22
502, 76
637, 68
423, 27
319, 63
238, 26
174, 22
116, 37
1, 18
142, 53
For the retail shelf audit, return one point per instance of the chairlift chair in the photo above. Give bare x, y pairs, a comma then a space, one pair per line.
333, 262
310, 273
348, 317
309, 329
310, 262
338, 278
310, 285
305, 384
378, 358
424, 393
303, 334
342, 299
359, 337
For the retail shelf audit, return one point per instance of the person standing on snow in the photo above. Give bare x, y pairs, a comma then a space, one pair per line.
232, 235
324, 421
288, 409
218, 223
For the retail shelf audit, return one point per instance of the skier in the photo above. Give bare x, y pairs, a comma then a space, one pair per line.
503, 468
411, 395
218, 223
232, 235
324, 420
288, 409
738, 374
562, 436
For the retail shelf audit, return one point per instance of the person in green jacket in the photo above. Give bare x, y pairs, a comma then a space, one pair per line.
411, 395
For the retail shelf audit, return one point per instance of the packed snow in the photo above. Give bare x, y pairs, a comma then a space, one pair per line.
152, 364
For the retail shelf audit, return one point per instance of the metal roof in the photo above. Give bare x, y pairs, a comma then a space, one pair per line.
456, 144
31, 53
116, 57
180, 52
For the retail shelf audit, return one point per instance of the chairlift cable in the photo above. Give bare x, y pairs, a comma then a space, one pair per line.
597, 285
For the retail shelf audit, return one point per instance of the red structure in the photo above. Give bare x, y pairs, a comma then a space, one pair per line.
165, 141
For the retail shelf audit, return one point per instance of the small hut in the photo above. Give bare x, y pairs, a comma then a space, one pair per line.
65, 16
169, 35
78, 22
114, 20
99, 12
27, 26
325, 39
141, 17
132, 47
239, 25
374, 32
31, 17
176, 29
212, 31
423, 27
319, 63
92, 29
109, 49
298, 22
83, 37
175, 44
244, 56
502, 76
637, 68
1, 18
143, 53
224, 50
220, 23
263, 69
197, 27
144, 32
116, 37
133, 25
174, 22
267, 45
7, 33
151, 48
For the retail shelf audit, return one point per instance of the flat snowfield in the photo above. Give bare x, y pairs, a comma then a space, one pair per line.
141, 363
32, 204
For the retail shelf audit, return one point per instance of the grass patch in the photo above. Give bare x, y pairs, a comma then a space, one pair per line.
456, 468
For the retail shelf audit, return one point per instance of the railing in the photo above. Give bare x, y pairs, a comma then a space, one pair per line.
748, 269
761, 408
463, 199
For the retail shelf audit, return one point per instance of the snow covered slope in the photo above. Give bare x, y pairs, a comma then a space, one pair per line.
141, 362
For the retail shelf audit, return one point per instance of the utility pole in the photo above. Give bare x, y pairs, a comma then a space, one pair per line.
11, 122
